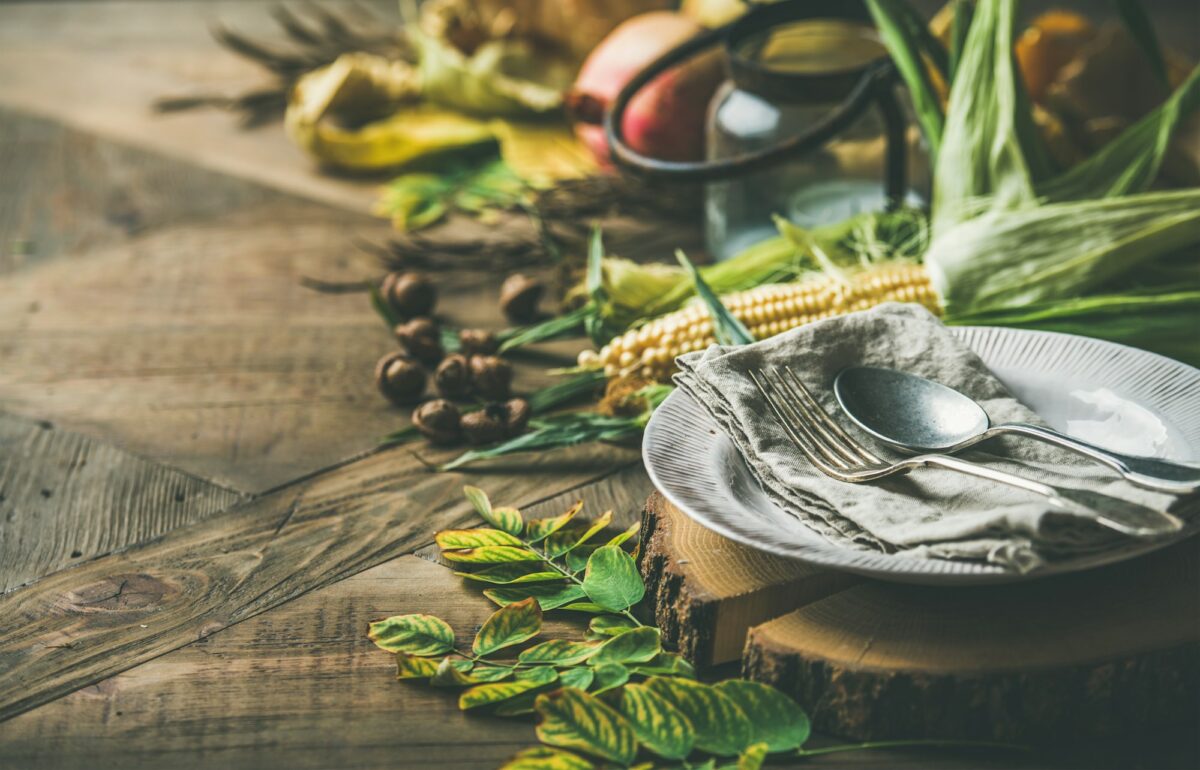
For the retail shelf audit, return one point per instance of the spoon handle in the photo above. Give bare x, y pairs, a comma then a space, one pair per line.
1112, 513
1146, 472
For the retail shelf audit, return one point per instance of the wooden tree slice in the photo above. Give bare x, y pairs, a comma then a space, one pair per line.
707, 591
1099, 653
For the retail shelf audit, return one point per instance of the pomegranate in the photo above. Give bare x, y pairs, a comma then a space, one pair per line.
666, 118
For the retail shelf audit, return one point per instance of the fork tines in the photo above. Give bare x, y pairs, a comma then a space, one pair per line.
827, 446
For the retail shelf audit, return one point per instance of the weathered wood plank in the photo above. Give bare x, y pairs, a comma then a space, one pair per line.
65, 498
100, 66
79, 626
299, 686
70, 192
197, 346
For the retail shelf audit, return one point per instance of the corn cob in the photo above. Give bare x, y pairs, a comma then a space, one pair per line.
649, 351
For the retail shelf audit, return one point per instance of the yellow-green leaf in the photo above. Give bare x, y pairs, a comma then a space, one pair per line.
610, 676
579, 677
450, 675
753, 757
560, 652
326, 106
610, 625
612, 579
518, 706
498, 692
542, 758
512, 624
491, 554
571, 537
620, 538
549, 596
602, 521
410, 666
481, 674
414, 634
540, 529
634, 646
507, 519
572, 719
543, 153
473, 538
591, 607
577, 558
508, 574
721, 727
775, 719
660, 726
669, 663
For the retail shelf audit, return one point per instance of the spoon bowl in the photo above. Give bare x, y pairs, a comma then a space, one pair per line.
908, 412
915, 415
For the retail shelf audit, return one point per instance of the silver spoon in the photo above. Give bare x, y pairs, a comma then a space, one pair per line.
914, 414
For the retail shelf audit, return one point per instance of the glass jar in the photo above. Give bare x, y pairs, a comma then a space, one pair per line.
787, 81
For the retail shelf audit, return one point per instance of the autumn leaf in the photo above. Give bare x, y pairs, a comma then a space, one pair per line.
660, 726
414, 634
473, 538
509, 625
507, 519
498, 692
722, 728
572, 719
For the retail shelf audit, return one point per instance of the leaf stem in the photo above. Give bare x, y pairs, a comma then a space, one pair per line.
928, 743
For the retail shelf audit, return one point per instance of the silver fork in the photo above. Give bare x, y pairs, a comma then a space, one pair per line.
839, 455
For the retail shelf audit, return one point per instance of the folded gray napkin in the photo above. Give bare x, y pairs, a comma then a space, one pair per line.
930, 512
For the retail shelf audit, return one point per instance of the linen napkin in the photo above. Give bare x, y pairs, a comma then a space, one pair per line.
928, 512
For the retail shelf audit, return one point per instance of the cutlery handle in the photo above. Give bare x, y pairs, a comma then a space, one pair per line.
1146, 472
1115, 514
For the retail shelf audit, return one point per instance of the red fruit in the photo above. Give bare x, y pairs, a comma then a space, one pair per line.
666, 118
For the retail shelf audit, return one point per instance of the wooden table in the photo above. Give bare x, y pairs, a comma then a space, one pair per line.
195, 523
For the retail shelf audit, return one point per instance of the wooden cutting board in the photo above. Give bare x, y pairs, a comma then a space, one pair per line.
1085, 655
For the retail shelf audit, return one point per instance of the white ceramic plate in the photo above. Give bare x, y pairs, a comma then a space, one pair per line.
1111, 395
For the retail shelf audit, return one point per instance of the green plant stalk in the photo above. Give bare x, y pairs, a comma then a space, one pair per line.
726, 326
991, 154
893, 19
958, 35
1129, 163
1141, 29
568, 325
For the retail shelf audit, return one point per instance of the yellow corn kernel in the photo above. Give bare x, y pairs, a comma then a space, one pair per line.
766, 311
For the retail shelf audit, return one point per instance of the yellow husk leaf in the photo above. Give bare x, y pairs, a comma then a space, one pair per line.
378, 95
543, 153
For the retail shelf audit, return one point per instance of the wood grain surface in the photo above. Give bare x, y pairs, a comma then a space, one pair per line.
195, 525
66, 499
300, 685
78, 626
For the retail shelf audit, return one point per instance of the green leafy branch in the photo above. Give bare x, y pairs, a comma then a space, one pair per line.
609, 698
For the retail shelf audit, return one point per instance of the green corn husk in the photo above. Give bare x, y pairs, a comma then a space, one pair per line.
991, 154
1163, 322
726, 327
1006, 259
1130, 162
907, 37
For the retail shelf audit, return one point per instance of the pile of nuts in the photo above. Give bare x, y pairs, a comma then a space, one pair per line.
474, 372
